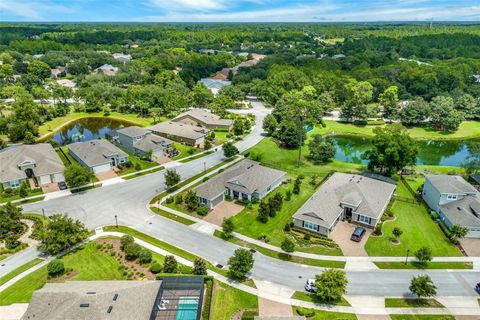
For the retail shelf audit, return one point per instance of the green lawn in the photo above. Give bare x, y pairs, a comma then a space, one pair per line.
184, 150
135, 160
197, 156
283, 256
311, 297
19, 270
467, 130
430, 265
420, 317
412, 303
418, 230
7, 198
227, 300
56, 123
221, 137
88, 263
246, 221
323, 315
172, 216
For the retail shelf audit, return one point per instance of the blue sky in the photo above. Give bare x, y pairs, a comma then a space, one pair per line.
239, 10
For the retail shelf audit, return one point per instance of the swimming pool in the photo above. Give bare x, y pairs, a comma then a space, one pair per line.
187, 308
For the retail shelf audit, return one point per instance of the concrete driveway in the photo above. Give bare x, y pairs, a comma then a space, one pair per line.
224, 210
341, 235
471, 246
50, 187
106, 175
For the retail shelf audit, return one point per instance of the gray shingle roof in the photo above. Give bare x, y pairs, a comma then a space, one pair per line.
246, 176
95, 152
214, 83
369, 196
205, 117
450, 184
179, 130
464, 212
133, 131
43, 155
57, 301
152, 142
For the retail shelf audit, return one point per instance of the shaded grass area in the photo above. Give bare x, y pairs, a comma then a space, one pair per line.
139, 174
19, 270
312, 297
227, 300
283, 256
172, 216
313, 314
418, 230
412, 303
197, 156
87, 261
8, 198
430, 265
142, 164
420, 317
184, 150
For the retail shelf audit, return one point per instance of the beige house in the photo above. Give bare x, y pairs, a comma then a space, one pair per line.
181, 132
344, 196
204, 118
38, 161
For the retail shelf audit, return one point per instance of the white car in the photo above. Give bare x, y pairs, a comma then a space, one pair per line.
310, 286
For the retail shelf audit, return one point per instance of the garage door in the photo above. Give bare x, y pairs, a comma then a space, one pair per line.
102, 168
44, 179
473, 233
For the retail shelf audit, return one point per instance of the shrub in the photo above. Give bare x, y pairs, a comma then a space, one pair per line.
308, 313
287, 227
178, 199
137, 166
144, 256
126, 239
170, 265
378, 229
199, 267
169, 200
132, 250
156, 267
307, 236
202, 210
56, 268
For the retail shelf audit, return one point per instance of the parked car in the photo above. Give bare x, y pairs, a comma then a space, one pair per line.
310, 286
477, 288
357, 234
62, 185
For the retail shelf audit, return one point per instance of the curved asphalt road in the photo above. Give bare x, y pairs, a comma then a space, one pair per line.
129, 200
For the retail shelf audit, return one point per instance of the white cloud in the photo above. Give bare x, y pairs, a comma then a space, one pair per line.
32, 10
188, 5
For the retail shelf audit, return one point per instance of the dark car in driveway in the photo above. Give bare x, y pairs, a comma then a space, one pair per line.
62, 185
477, 288
358, 234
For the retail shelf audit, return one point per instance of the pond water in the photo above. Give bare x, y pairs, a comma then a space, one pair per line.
437, 153
87, 129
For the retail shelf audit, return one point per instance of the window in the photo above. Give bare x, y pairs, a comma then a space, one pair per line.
309, 225
452, 197
364, 219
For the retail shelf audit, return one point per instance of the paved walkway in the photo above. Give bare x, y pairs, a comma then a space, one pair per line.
13, 312
224, 210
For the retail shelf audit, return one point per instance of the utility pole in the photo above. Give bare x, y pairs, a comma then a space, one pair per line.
299, 161
406, 259
116, 221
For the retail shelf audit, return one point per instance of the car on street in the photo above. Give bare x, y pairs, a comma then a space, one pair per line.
310, 286
477, 288
62, 185
358, 234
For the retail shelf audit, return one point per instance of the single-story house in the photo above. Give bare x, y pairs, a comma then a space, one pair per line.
223, 74
94, 300
97, 155
140, 141
244, 181
22, 162
181, 132
57, 72
203, 118
106, 69
455, 200
356, 197
122, 57
67, 83
215, 85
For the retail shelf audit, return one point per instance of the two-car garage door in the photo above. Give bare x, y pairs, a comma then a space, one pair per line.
102, 168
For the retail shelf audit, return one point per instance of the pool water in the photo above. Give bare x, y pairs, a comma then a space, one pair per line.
187, 308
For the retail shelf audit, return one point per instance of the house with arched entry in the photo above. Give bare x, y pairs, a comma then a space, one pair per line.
38, 163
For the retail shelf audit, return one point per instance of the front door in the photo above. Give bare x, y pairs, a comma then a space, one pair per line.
29, 173
348, 212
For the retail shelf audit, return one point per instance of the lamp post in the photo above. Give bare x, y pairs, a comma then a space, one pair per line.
116, 221
204, 166
43, 213
406, 258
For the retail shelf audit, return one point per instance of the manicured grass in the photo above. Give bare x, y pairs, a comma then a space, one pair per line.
430, 265
246, 221
421, 317
412, 303
31, 193
467, 130
221, 137
415, 181
87, 262
227, 300
172, 216
197, 156
56, 123
139, 174
19, 270
184, 150
323, 315
418, 230
311, 297
284, 256
136, 161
